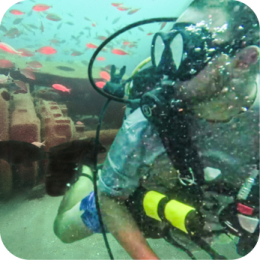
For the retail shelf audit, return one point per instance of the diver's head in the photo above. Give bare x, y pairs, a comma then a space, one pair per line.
206, 29
211, 55
230, 22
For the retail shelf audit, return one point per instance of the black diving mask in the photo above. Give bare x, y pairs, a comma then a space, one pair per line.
183, 52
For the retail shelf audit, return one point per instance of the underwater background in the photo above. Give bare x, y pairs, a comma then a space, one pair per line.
51, 100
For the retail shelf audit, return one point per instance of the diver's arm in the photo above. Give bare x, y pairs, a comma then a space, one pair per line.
123, 227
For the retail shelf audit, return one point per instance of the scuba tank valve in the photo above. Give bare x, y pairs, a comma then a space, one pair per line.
247, 186
241, 218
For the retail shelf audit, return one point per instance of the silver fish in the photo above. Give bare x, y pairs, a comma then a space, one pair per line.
17, 20
116, 20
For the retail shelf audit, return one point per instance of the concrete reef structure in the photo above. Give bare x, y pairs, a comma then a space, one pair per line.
56, 126
4, 117
22, 120
6, 179
25, 126
6, 183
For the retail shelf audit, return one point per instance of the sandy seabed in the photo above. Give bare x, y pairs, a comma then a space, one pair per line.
26, 228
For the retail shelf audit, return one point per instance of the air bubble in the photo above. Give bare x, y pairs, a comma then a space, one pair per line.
193, 71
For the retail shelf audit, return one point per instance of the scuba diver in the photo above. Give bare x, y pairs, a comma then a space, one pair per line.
187, 155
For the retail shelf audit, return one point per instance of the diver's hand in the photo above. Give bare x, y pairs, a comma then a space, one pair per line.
113, 87
117, 78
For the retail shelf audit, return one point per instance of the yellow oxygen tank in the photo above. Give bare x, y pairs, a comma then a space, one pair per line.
180, 215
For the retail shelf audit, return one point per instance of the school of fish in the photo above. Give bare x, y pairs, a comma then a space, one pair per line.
49, 16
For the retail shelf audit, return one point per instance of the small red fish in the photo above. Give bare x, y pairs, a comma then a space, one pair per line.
119, 52
20, 84
93, 24
150, 33
7, 64
101, 58
41, 7
133, 11
123, 8
27, 73
126, 43
100, 84
79, 123
105, 75
61, 88
8, 48
162, 26
47, 50
116, 4
34, 64
102, 38
91, 45
25, 53
16, 12
53, 17
76, 53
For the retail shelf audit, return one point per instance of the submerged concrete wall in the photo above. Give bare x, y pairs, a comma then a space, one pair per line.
6, 177
25, 126
22, 120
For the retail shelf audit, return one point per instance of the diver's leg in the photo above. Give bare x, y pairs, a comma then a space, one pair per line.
68, 225
77, 191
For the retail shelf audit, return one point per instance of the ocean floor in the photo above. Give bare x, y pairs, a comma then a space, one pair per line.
26, 231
